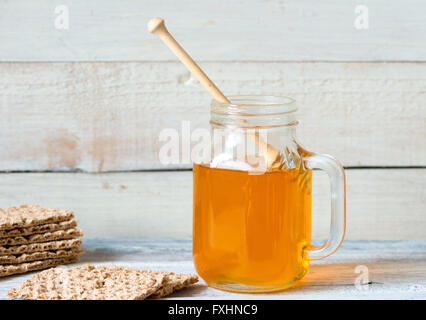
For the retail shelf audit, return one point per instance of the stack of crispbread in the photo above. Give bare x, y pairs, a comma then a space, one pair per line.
34, 238
88, 282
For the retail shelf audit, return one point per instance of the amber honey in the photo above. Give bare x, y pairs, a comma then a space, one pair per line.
250, 229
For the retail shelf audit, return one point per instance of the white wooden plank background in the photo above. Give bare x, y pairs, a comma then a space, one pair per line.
108, 116
381, 204
212, 30
396, 269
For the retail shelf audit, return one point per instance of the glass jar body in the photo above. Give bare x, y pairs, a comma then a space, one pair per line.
252, 203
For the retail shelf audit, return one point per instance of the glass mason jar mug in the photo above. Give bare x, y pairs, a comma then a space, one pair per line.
252, 198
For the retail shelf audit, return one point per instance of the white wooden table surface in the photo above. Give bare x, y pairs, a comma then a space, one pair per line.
396, 269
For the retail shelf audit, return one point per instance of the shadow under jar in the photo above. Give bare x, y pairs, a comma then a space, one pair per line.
252, 198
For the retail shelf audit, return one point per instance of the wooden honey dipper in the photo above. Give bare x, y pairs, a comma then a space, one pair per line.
273, 157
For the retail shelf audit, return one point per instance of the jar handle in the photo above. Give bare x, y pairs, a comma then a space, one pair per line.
336, 173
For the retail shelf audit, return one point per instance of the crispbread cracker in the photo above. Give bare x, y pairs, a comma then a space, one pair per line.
41, 255
31, 215
35, 247
173, 282
7, 270
42, 228
42, 237
90, 283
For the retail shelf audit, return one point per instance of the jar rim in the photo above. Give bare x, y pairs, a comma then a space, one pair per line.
254, 111
258, 101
